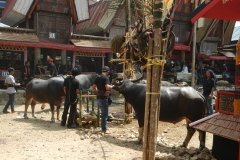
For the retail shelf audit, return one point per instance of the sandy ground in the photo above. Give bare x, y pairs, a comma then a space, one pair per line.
38, 138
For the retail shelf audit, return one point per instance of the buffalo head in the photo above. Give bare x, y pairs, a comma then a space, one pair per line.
118, 82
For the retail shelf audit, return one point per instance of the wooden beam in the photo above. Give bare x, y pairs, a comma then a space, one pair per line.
73, 11
213, 24
32, 9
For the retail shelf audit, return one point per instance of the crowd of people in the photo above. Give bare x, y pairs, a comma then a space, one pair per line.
186, 67
55, 69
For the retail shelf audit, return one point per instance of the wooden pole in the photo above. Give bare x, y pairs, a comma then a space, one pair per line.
154, 75
80, 109
194, 50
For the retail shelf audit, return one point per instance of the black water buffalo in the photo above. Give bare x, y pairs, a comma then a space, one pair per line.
168, 84
86, 81
177, 103
44, 91
51, 91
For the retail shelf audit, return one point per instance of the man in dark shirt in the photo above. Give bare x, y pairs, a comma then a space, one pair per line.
78, 66
208, 89
102, 87
39, 68
27, 73
68, 67
52, 68
71, 89
60, 68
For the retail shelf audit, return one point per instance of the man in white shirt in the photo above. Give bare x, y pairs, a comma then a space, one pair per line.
184, 68
10, 83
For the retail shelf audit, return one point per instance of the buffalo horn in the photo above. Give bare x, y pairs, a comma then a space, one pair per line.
137, 80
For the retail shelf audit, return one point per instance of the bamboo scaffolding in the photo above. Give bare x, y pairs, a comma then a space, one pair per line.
154, 74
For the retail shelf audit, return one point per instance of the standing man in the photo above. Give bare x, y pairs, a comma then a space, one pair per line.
102, 87
71, 89
68, 67
52, 68
10, 83
78, 66
60, 68
27, 73
40, 69
208, 89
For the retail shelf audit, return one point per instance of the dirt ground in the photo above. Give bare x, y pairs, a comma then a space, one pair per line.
38, 138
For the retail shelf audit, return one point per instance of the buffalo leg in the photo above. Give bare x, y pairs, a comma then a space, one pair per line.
58, 111
140, 135
202, 139
27, 103
33, 103
190, 132
52, 111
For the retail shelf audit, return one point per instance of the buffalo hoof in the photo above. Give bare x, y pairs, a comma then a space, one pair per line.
139, 141
25, 117
34, 116
201, 147
183, 145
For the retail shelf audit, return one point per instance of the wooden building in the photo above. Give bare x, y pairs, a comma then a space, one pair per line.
45, 28
225, 124
212, 36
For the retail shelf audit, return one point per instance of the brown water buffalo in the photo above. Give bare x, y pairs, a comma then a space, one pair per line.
177, 103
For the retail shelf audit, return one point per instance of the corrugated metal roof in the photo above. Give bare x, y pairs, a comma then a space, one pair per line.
227, 126
236, 33
52, 45
82, 9
21, 35
101, 15
91, 43
15, 11
109, 14
229, 54
96, 11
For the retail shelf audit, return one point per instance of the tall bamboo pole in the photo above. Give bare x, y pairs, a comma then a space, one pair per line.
125, 64
194, 48
152, 104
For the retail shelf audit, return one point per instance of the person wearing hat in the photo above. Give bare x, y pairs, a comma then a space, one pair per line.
71, 89
102, 87
40, 70
52, 68
27, 73
78, 66
10, 83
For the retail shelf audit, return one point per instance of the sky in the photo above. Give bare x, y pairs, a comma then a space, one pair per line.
237, 24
